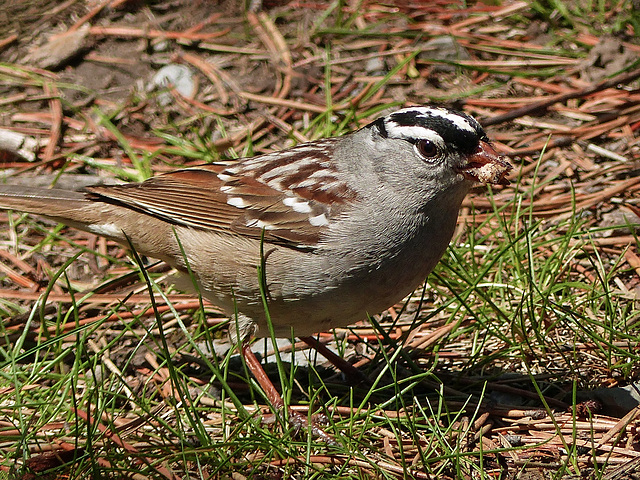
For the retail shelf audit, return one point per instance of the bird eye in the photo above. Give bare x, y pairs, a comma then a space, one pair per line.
427, 148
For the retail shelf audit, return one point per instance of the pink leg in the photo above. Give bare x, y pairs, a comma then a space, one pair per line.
298, 420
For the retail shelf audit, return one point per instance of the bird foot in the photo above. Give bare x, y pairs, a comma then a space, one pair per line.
298, 420
301, 422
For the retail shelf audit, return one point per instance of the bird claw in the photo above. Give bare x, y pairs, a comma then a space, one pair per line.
300, 422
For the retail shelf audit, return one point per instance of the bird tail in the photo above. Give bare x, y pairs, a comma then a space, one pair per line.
65, 206
148, 235
41, 201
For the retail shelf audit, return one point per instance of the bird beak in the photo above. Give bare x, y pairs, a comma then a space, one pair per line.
485, 165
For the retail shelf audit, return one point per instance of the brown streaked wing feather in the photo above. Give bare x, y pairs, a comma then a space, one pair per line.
195, 197
181, 197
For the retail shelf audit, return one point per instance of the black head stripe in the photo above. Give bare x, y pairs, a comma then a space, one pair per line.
379, 124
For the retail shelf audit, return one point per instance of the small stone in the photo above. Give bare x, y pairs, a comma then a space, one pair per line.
180, 76
443, 48
60, 49
375, 65
619, 222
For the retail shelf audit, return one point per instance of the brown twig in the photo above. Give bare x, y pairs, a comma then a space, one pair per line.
543, 105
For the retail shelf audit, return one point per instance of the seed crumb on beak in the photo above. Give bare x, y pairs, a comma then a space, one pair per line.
487, 166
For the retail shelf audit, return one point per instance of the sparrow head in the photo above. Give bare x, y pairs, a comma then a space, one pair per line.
446, 139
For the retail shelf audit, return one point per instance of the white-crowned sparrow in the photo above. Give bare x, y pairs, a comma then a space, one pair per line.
351, 224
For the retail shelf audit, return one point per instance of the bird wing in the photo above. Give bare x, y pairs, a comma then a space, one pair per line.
290, 196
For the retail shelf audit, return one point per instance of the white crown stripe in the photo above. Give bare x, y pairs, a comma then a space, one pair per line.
413, 132
459, 121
